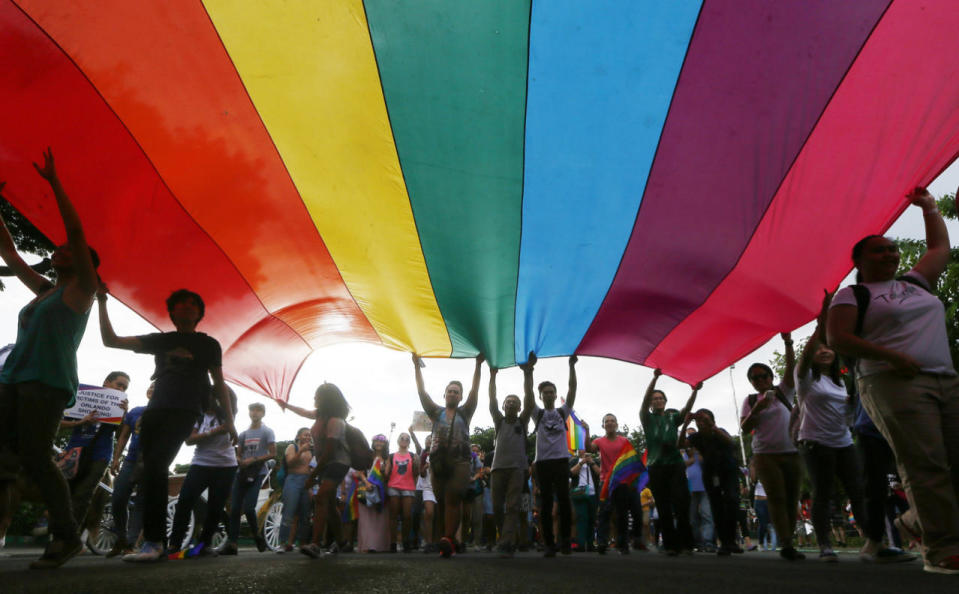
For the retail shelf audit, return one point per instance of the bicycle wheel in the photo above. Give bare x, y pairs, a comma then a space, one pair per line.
271, 526
104, 539
170, 511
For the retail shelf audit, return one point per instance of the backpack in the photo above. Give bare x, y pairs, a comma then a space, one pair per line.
361, 454
539, 417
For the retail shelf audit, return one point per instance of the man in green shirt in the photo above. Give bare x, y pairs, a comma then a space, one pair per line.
667, 471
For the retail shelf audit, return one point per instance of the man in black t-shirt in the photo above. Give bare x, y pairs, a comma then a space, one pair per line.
186, 360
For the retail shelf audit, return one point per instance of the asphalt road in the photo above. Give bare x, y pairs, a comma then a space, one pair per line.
752, 573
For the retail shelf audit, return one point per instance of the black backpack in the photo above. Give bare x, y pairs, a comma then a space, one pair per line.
779, 394
539, 417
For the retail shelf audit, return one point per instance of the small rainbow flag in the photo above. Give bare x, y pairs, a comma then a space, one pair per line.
629, 468
376, 478
351, 511
575, 433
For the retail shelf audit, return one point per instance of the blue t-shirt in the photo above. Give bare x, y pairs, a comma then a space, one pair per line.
130, 420
694, 474
97, 438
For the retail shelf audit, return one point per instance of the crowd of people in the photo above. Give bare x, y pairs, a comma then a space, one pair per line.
340, 493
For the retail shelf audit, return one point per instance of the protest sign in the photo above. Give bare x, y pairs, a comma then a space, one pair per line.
105, 402
421, 422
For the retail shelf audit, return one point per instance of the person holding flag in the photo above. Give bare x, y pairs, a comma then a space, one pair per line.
667, 471
721, 475
622, 474
552, 457
509, 465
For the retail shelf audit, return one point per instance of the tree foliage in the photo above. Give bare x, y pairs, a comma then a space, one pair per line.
27, 238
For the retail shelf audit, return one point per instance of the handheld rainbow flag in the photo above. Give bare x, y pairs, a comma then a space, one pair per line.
377, 479
351, 511
629, 468
575, 433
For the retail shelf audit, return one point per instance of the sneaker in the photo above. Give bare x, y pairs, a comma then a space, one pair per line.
229, 549
752, 547
723, 552
791, 554
446, 547
260, 543
738, 550
672, 553
505, 552
57, 553
150, 552
623, 551
428, 548
887, 555
392, 547
460, 548
949, 566
829, 556
311, 550
688, 552
550, 551
332, 551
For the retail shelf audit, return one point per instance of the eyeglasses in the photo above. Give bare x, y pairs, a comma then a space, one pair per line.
759, 376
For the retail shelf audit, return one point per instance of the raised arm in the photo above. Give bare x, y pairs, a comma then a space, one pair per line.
934, 261
107, 334
571, 394
528, 401
473, 397
818, 337
303, 412
692, 400
425, 401
493, 403
416, 442
648, 397
79, 297
34, 281
790, 357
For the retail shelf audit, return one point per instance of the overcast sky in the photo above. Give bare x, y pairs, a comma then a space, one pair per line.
378, 382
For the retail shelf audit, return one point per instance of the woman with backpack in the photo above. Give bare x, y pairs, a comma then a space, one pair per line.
332, 464
296, 491
769, 414
449, 451
824, 437
896, 329
402, 468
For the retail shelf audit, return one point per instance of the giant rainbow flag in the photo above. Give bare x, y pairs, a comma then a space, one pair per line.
666, 183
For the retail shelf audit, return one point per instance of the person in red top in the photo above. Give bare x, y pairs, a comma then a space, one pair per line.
621, 499
402, 467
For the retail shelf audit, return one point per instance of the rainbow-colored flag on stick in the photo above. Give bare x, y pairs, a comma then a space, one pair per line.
575, 433
628, 469
351, 511
378, 480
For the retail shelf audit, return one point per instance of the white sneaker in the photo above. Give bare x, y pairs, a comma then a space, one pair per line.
148, 553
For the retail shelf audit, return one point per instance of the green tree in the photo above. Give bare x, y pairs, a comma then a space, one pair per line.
27, 238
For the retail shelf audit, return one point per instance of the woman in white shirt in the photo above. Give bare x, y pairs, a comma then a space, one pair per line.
905, 374
213, 467
825, 440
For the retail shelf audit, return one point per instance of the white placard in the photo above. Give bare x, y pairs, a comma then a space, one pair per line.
421, 422
105, 402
